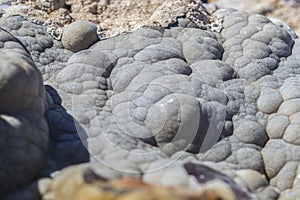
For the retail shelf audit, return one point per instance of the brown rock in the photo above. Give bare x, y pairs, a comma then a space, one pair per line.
82, 183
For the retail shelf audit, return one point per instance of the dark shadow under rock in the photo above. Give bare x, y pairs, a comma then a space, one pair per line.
67, 144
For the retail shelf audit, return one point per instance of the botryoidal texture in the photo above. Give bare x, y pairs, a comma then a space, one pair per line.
147, 102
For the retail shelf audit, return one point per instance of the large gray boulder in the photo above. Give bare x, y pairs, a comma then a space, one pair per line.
23, 128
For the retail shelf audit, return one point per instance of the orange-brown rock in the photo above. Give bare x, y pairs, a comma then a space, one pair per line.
78, 183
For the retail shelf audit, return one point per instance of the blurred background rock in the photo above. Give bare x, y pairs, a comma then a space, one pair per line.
285, 10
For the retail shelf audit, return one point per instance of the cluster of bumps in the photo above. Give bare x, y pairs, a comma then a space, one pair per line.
170, 106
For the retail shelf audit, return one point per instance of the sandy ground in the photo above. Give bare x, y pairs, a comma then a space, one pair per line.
116, 16
112, 16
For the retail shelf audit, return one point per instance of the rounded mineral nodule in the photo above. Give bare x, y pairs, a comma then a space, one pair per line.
79, 35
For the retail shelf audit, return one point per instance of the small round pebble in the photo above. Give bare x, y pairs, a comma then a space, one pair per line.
79, 35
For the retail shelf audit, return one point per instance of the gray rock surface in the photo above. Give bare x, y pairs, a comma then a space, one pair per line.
23, 128
141, 101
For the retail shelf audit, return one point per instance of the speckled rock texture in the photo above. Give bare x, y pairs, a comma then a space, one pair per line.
147, 103
112, 16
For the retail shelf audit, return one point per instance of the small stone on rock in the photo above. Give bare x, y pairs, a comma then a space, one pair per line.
79, 35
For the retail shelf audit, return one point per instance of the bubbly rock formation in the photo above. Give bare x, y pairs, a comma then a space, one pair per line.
146, 103
79, 35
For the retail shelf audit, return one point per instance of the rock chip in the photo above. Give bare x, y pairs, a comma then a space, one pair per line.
48, 5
